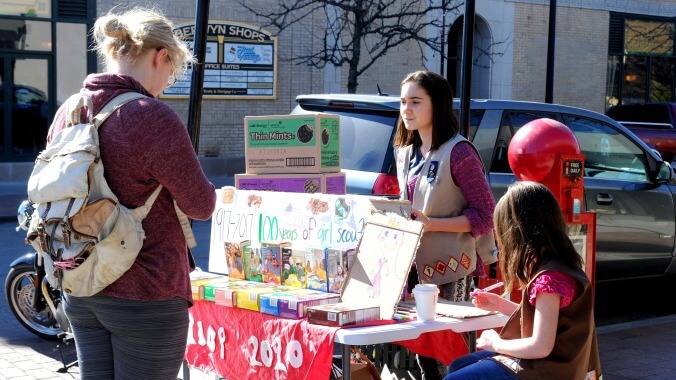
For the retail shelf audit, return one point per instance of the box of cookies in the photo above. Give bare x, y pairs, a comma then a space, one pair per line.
307, 143
294, 302
325, 183
342, 314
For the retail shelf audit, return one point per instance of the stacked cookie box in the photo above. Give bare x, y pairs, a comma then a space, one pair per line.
292, 153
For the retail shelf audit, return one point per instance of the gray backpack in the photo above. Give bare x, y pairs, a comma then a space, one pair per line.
85, 236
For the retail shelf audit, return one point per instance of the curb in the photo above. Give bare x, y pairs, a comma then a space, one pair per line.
609, 329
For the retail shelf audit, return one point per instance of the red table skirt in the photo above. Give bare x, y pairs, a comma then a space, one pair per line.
244, 344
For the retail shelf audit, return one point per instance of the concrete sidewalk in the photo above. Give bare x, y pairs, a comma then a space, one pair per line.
636, 350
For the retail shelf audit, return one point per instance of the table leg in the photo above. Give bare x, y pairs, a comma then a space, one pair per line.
345, 361
472, 341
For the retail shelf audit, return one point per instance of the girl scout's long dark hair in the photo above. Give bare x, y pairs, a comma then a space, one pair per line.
530, 230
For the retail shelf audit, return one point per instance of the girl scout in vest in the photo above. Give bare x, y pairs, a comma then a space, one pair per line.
551, 334
441, 174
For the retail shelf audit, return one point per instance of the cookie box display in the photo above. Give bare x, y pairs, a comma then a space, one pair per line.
198, 279
325, 183
247, 298
253, 262
271, 253
307, 143
315, 269
342, 314
225, 294
209, 289
293, 267
234, 259
293, 303
338, 262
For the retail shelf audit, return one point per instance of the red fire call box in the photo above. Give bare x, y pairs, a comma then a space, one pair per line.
546, 151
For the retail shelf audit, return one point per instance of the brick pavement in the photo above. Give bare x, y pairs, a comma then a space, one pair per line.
636, 350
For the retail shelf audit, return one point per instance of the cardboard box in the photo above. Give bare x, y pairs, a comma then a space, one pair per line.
325, 183
293, 267
307, 143
248, 297
342, 314
361, 371
293, 303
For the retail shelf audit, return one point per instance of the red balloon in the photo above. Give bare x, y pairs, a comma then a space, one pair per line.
533, 148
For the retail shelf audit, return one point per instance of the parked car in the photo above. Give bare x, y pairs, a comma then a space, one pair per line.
654, 123
627, 184
31, 119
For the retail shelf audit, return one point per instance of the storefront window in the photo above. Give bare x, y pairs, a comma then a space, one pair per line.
641, 60
634, 88
30, 107
649, 37
662, 79
27, 8
613, 82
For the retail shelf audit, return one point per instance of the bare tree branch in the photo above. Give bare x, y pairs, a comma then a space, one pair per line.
358, 33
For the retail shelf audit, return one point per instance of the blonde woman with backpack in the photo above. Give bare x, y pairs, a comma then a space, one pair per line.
137, 326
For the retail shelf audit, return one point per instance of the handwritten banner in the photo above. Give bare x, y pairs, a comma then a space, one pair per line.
243, 344
305, 220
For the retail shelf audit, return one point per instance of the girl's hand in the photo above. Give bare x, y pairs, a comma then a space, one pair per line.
487, 340
420, 217
488, 301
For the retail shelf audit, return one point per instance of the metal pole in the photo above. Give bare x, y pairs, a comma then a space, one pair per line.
468, 44
197, 80
443, 37
549, 88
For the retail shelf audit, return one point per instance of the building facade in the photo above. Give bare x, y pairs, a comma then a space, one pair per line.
607, 52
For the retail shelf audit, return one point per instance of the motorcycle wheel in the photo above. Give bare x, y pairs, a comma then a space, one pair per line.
19, 291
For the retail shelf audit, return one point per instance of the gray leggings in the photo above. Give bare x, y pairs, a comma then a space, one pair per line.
120, 339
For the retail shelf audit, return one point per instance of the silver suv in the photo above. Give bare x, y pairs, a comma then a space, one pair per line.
626, 183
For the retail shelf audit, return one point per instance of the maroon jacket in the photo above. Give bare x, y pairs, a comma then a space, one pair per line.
145, 144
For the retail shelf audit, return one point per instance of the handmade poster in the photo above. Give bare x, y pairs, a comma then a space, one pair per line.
381, 265
304, 220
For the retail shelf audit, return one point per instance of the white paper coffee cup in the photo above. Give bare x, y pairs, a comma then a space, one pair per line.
426, 296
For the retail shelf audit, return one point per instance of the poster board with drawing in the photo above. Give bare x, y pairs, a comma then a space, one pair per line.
304, 220
382, 262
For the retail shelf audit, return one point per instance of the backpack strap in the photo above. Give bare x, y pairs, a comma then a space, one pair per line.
114, 104
182, 217
108, 109
186, 227
74, 106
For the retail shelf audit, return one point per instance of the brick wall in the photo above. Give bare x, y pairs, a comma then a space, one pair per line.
580, 60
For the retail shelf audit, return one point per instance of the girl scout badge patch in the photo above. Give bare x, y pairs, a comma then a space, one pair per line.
432, 171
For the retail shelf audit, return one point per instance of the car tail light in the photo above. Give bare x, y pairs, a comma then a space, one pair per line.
386, 184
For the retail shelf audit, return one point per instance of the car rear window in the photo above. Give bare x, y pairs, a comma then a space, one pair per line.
366, 139
511, 122
647, 113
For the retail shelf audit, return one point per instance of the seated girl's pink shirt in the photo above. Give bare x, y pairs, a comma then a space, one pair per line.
555, 282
